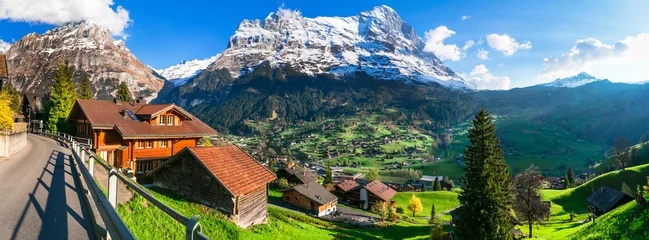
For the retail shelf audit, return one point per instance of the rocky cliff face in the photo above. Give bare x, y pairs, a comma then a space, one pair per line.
89, 47
377, 42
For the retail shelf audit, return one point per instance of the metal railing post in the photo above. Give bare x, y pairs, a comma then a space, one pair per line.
193, 228
112, 187
91, 165
83, 156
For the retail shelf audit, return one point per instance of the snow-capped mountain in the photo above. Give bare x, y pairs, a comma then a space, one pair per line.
377, 42
33, 61
179, 74
4, 46
575, 81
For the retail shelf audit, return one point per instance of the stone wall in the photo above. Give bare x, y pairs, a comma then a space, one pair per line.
13, 141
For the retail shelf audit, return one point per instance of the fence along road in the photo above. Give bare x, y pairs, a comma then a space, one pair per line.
39, 196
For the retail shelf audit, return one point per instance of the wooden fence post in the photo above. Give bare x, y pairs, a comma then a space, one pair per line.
112, 187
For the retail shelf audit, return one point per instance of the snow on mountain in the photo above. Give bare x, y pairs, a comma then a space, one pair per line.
87, 46
4, 46
179, 74
377, 42
570, 82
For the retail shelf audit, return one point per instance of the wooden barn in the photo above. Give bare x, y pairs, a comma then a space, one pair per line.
374, 192
297, 175
224, 177
348, 192
606, 199
312, 197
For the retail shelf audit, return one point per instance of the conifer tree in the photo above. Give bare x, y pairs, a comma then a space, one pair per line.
123, 93
570, 178
436, 185
84, 88
486, 199
62, 99
433, 214
328, 176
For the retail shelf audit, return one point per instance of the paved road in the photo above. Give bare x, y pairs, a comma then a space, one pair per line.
39, 198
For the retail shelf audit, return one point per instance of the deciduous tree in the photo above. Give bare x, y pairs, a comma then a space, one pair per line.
620, 152
414, 205
373, 174
527, 203
6, 113
486, 197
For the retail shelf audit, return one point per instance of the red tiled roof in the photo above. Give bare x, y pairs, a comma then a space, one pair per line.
380, 190
347, 185
234, 168
103, 113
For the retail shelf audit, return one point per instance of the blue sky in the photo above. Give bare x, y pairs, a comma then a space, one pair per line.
161, 33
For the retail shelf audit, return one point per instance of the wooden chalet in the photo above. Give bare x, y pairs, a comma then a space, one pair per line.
33, 105
223, 177
136, 136
348, 192
312, 197
374, 192
297, 175
606, 199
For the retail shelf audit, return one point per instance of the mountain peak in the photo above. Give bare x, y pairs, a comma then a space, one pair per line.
377, 42
575, 81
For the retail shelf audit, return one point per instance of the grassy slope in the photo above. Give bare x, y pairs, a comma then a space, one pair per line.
642, 151
624, 222
443, 200
152, 223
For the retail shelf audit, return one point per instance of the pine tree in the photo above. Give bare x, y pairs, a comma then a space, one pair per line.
328, 176
84, 88
62, 98
486, 198
436, 185
433, 214
570, 178
123, 94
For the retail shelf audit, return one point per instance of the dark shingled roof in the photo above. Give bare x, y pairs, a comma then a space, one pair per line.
606, 198
381, 190
347, 185
315, 192
103, 113
4, 72
303, 174
231, 166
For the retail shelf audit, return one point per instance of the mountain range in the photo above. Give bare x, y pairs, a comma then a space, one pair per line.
288, 67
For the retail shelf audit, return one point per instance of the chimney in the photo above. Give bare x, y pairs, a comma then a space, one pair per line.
126, 116
117, 101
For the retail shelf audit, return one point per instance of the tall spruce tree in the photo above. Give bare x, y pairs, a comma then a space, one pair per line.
486, 199
85, 92
62, 97
570, 178
123, 93
436, 185
328, 175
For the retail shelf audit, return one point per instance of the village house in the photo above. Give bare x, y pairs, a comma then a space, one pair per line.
374, 192
32, 106
348, 192
297, 175
224, 177
606, 199
135, 136
312, 197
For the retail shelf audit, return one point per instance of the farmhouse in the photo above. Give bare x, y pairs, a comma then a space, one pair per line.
297, 175
312, 197
224, 177
348, 192
374, 192
605, 199
135, 136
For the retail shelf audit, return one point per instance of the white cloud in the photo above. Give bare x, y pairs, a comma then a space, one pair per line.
468, 45
506, 44
465, 17
481, 78
62, 11
624, 61
435, 44
483, 54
